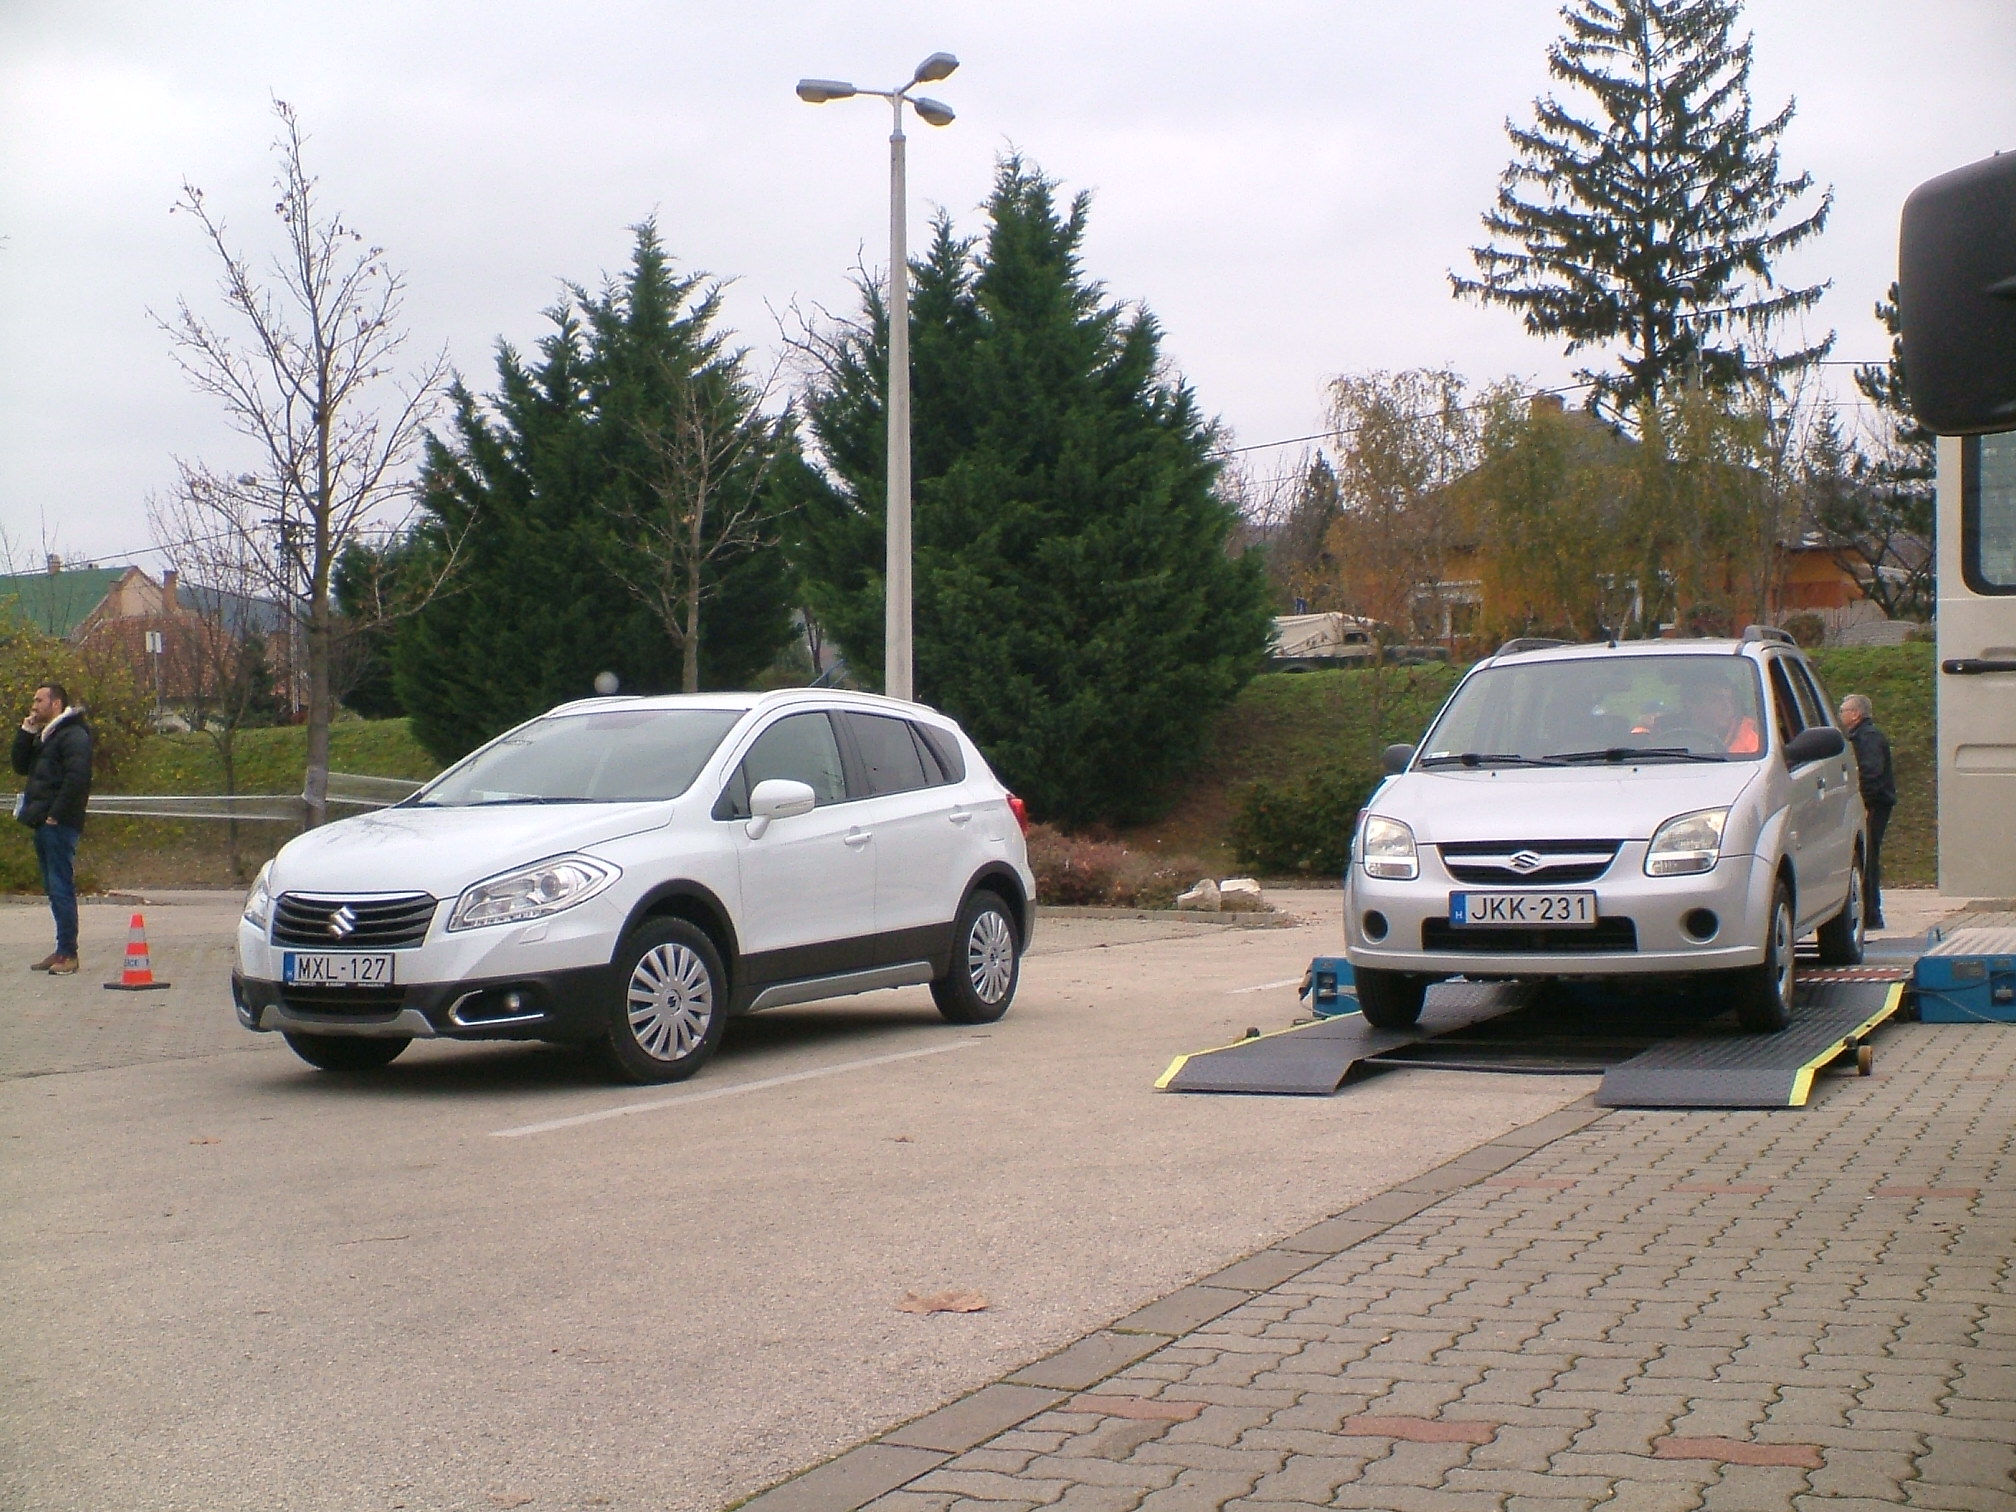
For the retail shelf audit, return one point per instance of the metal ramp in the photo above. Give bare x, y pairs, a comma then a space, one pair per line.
1668, 1052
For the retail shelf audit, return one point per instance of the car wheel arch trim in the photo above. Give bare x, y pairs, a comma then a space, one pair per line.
718, 925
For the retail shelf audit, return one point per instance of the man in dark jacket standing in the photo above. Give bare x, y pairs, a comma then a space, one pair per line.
52, 749
1879, 791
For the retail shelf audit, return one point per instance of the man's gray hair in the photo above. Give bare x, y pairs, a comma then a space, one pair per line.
1859, 702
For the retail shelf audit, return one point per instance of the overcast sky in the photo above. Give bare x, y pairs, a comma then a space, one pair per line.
1286, 185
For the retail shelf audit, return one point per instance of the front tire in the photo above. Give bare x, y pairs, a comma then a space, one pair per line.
346, 1052
669, 1005
1390, 999
1842, 937
986, 963
1764, 992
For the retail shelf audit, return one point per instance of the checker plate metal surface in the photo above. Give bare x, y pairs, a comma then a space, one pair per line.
1312, 1060
1754, 1070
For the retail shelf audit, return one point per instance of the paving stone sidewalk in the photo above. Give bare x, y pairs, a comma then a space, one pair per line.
1630, 1310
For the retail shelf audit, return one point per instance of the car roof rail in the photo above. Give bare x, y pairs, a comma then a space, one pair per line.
1753, 633
1520, 644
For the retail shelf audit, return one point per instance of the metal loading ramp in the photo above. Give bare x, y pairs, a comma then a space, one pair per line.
1659, 1052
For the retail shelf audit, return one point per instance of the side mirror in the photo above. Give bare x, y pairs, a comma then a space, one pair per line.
1956, 298
778, 798
1816, 744
1396, 758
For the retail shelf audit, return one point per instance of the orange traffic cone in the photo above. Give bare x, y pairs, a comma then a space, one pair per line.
139, 973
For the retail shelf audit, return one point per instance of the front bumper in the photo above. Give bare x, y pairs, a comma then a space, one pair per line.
552, 1005
456, 985
1417, 938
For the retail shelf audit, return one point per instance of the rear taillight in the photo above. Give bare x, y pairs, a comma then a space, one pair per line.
1020, 810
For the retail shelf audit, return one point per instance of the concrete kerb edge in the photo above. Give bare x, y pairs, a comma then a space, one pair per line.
880, 1462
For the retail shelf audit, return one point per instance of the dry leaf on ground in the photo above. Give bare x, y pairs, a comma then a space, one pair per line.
945, 1301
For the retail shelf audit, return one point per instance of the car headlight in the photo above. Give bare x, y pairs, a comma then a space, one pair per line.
1386, 849
532, 892
1686, 844
259, 901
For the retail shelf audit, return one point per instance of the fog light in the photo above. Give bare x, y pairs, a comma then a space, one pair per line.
1701, 923
514, 1002
1374, 924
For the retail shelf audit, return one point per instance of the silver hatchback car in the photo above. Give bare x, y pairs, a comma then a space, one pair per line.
1680, 808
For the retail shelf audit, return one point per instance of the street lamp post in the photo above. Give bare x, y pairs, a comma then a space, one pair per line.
896, 644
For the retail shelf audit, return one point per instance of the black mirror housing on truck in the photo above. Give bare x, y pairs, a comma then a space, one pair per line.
1956, 298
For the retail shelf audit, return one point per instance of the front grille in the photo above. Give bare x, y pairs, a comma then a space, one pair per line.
345, 1002
335, 923
1489, 862
1607, 934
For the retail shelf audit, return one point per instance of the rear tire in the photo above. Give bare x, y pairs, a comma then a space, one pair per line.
1390, 999
346, 1052
1764, 992
668, 1004
1841, 937
986, 963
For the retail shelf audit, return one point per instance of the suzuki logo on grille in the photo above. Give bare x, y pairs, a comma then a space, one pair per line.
342, 922
1526, 861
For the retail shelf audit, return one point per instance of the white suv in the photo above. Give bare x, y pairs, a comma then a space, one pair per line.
630, 872
1666, 807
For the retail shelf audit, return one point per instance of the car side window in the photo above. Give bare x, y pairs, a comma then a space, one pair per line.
1810, 695
889, 753
799, 748
943, 761
1784, 702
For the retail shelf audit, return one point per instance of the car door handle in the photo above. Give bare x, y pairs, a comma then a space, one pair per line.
856, 838
1975, 666
960, 816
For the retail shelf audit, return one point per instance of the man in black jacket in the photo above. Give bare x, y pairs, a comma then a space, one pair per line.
52, 749
1879, 791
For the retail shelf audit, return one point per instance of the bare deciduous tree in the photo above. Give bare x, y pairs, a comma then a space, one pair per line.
708, 456
307, 377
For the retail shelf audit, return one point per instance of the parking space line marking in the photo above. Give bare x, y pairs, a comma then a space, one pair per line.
1293, 981
710, 1093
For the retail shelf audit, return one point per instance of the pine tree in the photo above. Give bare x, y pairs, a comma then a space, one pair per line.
1653, 220
1076, 604
538, 494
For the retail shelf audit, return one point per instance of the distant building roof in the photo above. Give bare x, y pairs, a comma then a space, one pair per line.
56, 603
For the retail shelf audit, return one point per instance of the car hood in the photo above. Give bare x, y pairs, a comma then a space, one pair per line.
1557, 803
443, 850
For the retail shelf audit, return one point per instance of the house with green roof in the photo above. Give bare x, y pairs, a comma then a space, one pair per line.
58, 601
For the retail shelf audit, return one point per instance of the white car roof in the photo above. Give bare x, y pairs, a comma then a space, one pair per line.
742, 702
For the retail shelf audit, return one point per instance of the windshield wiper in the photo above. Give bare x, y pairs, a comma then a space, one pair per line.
1488, 758
1617, 754
505, 802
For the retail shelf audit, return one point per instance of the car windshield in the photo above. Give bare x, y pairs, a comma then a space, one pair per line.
1603, 709
601, 756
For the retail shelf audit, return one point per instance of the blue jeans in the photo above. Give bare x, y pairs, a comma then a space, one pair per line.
56, 849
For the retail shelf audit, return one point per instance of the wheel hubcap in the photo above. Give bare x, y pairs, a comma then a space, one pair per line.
671, 1002
1859, 924
1781, 947
990, 957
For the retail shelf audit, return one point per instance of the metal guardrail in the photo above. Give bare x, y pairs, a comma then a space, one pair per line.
347, 790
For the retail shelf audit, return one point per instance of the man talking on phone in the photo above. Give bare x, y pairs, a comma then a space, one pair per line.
52, 749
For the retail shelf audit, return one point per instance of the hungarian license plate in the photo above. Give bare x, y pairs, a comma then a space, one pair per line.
336, 969
1523, 910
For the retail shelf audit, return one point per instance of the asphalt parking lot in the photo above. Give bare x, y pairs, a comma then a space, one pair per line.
488, 1278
